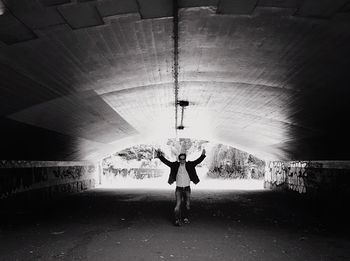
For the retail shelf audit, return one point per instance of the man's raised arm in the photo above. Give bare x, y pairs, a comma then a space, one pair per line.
200, 159
162, 159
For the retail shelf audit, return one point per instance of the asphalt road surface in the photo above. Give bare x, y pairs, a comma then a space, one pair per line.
126, 224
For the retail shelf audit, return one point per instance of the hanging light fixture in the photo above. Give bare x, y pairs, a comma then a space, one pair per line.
182, 104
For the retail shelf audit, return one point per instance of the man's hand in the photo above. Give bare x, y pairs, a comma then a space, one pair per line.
159, 153
203, 152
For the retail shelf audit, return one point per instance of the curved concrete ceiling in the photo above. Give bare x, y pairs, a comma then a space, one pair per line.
81, 79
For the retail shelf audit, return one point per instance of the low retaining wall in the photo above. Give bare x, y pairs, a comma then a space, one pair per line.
309, 177
135, 173
45, 180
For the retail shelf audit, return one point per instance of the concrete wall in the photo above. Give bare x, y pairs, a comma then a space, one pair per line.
110, 174
315, 178
28, 180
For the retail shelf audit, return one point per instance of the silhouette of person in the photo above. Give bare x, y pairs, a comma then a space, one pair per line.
183, 172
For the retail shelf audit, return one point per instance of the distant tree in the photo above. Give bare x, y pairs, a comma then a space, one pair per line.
229, 162
257, 167
138, 152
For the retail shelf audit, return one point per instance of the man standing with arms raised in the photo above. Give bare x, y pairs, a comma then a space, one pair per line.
183, 172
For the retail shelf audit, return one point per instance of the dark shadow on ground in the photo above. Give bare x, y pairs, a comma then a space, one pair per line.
129, 224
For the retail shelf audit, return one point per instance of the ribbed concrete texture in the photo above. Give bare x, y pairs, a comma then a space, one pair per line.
82, 79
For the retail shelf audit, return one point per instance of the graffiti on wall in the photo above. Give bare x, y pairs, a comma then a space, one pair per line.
292, 174
73, 172
68, 172
311, 177
276, 173
40, 175
135, 173
41, 164
15, 180
297, 176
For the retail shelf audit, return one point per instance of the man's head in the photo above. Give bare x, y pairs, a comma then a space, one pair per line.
182, 158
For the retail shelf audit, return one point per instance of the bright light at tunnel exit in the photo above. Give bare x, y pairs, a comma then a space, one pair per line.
117, 180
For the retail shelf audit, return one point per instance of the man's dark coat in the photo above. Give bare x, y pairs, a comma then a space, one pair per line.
190, 167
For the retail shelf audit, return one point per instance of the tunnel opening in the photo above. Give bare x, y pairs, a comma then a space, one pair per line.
224, 168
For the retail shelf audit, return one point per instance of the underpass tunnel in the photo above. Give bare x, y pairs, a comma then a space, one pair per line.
81, 80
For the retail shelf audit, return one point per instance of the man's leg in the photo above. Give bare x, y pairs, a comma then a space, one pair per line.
177, 210
187, 205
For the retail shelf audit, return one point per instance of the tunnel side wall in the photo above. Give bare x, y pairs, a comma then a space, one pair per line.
40, 181
316, 178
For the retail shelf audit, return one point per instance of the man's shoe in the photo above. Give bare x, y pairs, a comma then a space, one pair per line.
186, 221
177, 223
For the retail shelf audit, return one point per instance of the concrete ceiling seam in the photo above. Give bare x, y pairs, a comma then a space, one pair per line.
176, 62
32, 15
237, 7
13, 30
80, 16
321, 9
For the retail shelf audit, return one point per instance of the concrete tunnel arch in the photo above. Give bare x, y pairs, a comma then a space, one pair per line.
266, 78
80, 80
